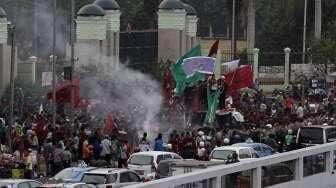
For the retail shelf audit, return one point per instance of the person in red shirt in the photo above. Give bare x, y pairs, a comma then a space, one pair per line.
289, 102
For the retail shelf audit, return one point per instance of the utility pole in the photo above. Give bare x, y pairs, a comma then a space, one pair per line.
36, 10
233, 32
53, 66
304, 32
72, 43
12, 77
318, 13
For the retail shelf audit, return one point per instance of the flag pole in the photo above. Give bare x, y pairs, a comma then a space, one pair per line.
72, 43
53, 67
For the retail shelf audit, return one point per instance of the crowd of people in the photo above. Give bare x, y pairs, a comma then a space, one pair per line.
43, 150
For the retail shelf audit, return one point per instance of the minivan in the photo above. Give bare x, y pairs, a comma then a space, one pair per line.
315, 135
223, 153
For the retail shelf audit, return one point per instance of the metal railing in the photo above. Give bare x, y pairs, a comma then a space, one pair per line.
304, 171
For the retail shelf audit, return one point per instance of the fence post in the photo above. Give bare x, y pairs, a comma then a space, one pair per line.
256, 174
299, 168
255, 64
287, 52
329, 161
217, 182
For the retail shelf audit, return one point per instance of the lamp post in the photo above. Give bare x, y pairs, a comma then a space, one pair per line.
11, 104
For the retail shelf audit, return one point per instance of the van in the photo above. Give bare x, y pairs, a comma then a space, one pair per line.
315, 135
223, 153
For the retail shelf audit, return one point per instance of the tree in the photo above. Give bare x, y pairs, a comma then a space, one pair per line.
324, 51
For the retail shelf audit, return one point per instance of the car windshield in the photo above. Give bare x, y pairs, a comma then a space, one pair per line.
67, 174
94, 179
311, 135
141, 160
222, 154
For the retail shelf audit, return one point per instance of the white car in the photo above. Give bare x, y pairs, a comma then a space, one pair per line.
146, 163
67, 185
19, 183
111, 177
223, 153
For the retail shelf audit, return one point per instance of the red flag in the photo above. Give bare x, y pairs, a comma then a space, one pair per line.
63, 92
214, 49
240, 78
108, 124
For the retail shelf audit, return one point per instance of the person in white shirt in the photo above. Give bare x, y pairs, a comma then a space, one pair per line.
299, 111
106, 149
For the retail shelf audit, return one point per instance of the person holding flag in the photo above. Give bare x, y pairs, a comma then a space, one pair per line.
213, 91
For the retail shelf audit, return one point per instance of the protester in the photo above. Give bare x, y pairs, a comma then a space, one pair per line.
158, 145
106, 149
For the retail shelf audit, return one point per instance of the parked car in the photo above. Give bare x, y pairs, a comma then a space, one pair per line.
146, 163
261, 149
111, 177
315, 135
225, 152
19, 183
70, 175
67, 185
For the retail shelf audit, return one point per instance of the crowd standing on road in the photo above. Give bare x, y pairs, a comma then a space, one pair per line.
43, 150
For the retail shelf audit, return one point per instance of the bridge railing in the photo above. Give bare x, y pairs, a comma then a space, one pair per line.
296, 166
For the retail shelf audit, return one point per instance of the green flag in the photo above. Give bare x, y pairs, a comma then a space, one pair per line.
213, 101
181, 79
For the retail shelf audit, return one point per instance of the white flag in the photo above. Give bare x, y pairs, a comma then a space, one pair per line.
231, 66
46, 79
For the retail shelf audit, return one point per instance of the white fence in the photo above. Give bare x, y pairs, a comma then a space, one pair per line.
312, 167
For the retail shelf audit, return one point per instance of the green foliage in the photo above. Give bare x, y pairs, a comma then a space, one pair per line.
324, 50
138, 14
279, 24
